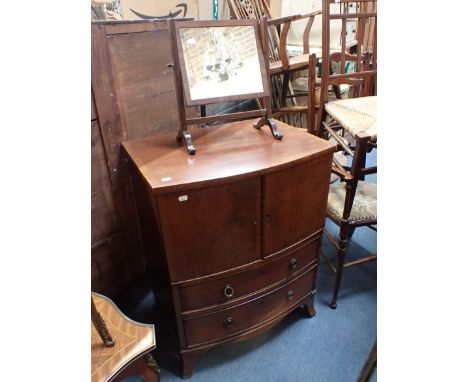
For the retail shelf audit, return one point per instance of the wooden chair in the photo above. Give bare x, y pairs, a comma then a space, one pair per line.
362, 80
120, 347
352, 202
337, 61
337, 40
352, 124
281, 64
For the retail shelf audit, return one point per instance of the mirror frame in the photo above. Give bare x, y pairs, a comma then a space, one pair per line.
223, 23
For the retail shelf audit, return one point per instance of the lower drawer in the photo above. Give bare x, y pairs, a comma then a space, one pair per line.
228, 322
232, 287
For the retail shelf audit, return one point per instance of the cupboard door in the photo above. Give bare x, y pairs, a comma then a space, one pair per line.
212, 229
294, 204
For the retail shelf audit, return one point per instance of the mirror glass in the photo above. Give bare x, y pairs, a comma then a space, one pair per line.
221, 61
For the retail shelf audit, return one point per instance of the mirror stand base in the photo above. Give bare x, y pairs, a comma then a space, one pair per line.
185, 136
271, 124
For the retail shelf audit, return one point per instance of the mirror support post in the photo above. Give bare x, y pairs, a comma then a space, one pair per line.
183, 134
267, 120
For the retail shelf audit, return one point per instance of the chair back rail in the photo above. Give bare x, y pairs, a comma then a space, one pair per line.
278, 29
254, 10
365, 57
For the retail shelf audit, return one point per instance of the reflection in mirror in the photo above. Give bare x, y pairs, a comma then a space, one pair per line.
221, 61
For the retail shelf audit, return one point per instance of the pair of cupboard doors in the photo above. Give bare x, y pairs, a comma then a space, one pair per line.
219, 228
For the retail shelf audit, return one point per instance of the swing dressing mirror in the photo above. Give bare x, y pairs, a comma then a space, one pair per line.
220, 62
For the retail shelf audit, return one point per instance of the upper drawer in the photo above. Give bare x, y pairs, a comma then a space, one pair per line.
243, 317
233, 287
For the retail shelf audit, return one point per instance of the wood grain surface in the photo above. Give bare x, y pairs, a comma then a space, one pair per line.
223, 153
286, 220
212, 327
233, 213
246, 213
242, 283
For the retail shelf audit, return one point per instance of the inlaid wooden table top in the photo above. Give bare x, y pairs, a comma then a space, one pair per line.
132, 339
223, 152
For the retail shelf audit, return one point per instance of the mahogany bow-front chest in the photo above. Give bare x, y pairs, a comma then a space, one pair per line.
232, 233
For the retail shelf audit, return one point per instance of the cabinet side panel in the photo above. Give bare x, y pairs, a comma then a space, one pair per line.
103, 217
295, 202
212, 229
154, 251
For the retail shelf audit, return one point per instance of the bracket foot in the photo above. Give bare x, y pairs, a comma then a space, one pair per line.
309, 306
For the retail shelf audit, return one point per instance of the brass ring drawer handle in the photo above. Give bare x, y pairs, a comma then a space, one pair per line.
290, 295
227, 323
228, 291
293, 263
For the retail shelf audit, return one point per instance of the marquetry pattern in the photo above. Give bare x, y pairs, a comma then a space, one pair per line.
132, 340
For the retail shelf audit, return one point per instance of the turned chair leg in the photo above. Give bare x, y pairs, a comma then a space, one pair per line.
343, 243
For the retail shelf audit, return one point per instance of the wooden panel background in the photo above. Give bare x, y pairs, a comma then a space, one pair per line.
132, 97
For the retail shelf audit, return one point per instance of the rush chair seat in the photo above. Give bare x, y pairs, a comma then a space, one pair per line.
355, 115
